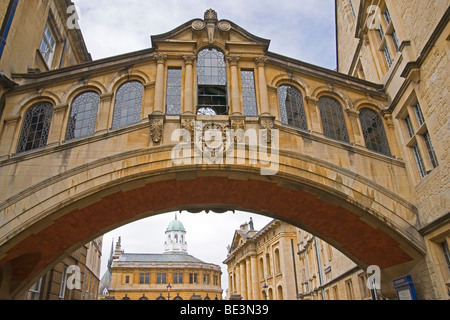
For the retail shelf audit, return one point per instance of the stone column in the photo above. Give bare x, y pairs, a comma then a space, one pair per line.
255, 281
235, 96
106, 107
243, 280
148, 103
249, 279
391, 136
56, 129
188, 85
263, 94
7, 139
159, 85
314, 115
355, 127
237, 275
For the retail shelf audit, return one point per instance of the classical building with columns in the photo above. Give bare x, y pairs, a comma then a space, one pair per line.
282, 262
171, 275
261, 263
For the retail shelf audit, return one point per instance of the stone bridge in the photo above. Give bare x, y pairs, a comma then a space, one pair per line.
310, 156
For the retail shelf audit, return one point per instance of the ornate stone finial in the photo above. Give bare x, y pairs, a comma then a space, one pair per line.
210, 16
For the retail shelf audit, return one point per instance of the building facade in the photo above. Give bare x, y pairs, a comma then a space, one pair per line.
324, 273
282, 262
36, 38
404, 45
76, 277
172, 275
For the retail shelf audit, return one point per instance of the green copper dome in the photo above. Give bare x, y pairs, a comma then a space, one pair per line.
175, 225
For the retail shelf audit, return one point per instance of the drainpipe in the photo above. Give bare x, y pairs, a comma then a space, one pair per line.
306, 264
12, 11
295, 269
62, 55
319, 267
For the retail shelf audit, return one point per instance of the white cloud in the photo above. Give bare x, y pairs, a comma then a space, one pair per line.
303, 30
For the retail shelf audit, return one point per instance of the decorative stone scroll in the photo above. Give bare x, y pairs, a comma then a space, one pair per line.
211, 24
267, 124
156, 127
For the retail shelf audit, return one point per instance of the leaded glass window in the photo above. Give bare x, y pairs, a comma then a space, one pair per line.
128, 106
430, 150
36, 127
48, 45
419, 114
173, 99
292, 109
212, 82
387, 55
373, 131
409, 126
333, 119
83, 116
249, 93
419, 161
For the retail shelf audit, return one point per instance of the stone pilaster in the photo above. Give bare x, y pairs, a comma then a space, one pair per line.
262, 83
188, 85
235, 92
159, 85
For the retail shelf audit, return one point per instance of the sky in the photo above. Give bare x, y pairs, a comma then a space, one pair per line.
299, 29
303, 30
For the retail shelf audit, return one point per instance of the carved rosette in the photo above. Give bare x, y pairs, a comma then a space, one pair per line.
212, 150
224, 26
198, 25
156, 127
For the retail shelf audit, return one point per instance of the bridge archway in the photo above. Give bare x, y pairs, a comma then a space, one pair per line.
55, 217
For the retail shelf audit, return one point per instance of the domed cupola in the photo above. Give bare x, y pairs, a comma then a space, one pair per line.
175, 238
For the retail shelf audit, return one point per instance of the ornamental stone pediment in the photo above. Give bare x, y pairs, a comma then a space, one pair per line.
209, 31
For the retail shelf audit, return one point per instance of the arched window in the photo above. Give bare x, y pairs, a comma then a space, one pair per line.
292, 109
277, 261
212, 82
280, 292
269, 270
128, 106
333, 119
261, 268
36, 127
373, 131
83, 116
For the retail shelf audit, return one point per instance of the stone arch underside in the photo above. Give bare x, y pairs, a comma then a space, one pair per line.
49, 220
